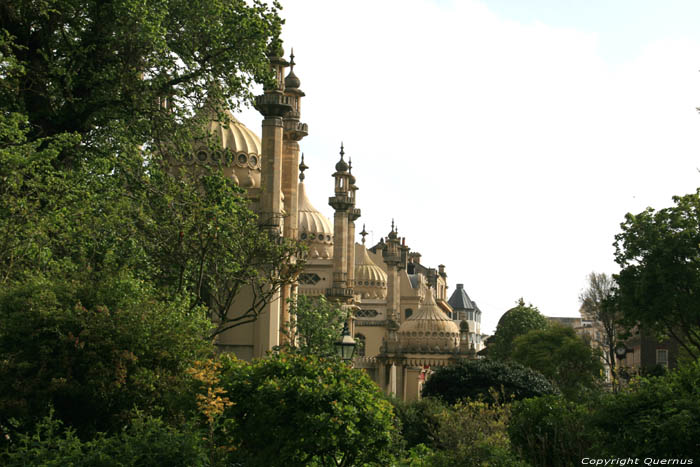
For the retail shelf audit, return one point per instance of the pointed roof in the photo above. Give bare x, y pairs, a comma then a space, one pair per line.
310, 219
460, 300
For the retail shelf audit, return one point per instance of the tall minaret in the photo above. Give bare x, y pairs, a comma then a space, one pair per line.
392, 258
294, 131
353, 214
273, 104
342, 202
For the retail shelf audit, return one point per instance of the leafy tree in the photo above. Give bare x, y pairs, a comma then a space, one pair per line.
477, 379
514, 322
562, 356
419, 420
95, 351
598, 305
660, 271
292, 410
97, 102
315, 326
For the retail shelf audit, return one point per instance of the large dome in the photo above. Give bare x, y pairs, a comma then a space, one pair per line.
429, 329
370, 279
242, 148
314, 228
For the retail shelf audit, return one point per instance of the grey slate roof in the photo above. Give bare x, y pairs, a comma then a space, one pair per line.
459, 300
414, 280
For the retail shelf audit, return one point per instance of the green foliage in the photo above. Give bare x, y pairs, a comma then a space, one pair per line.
598, 304
660, 271
654, 417
290, 410
515, 322
147, 441
551, 431
473, 433
129, 73
95, 351
562, 356
476, 379
419, 420
314, 326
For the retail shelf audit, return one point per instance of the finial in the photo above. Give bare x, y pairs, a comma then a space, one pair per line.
363, 233
342, 150
341, 166
291, 59
302, 167
349, 164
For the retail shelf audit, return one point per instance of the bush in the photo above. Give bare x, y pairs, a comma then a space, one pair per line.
654, 417
95, 363
419, 420
550, 431
475, 379
293, 410
148, 441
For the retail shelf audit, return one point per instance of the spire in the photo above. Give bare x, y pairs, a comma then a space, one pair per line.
292, 81
392, 224
341, 166
302, 167
363, 234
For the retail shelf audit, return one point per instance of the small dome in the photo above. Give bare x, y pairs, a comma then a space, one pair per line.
236, 136
370, 279
429, 329
341, 166
292, 81
314, 228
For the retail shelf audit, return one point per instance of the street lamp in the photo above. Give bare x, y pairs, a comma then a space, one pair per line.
345, 347
621, 351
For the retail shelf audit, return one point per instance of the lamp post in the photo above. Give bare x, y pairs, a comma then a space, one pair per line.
345, 347
620, 353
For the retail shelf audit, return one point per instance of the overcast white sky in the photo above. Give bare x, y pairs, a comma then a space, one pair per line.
506, 138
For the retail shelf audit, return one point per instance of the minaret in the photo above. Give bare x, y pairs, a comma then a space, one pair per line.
273, 104
353, 215
342, 202
392, 258
294, 131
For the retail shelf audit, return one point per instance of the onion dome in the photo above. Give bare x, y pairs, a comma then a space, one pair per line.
341, 166
242, 148
314, 228
291, 81
370, 279
429, 329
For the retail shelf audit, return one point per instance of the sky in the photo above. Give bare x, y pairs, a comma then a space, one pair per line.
506, 138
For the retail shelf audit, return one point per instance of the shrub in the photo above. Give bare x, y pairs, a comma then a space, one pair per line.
294, 410
654, 417
419, 420
550, 431
476, 379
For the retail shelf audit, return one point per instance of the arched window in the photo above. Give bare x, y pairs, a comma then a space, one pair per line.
360, 341
408, 313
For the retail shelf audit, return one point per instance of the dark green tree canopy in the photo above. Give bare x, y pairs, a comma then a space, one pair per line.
477, 378
514, 322
562, 356
659, 256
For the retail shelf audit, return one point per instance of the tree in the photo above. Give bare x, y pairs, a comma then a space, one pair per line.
659, 256
97, 101
95, 352
514, 322
315, 326
598, 305
295, 410
562, 356
477, 379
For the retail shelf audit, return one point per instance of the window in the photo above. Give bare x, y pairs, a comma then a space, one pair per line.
408, 313
471, 316
360, 341
662, 357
